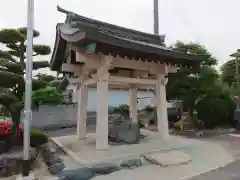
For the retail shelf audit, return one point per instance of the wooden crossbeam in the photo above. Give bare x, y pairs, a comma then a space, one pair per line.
127, 80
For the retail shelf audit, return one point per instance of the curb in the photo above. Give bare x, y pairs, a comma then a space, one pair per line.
205, 134
70, 153
54, 127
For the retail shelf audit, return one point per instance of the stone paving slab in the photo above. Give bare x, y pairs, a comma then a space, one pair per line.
167, 159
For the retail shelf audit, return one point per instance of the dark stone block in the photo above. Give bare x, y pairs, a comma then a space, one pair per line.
105, 168
9, 166
45, 149
53, 159
130, 164
46, 152
56, 168
33, 154
78, 174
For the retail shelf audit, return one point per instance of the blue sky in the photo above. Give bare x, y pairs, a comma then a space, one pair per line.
213, 23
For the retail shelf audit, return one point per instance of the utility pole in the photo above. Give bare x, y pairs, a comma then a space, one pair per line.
237, 76
156, 17
236, 55
28, 90
237, 71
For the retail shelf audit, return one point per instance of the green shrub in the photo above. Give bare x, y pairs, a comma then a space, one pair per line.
38, 84
149, 109
216, 109
122, 109
48, 95
38, 138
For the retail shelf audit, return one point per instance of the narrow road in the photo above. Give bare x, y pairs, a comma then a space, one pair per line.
231, 171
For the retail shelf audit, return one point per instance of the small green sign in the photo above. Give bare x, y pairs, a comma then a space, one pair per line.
91, 48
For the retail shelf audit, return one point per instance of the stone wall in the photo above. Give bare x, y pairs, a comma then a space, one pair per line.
53, 117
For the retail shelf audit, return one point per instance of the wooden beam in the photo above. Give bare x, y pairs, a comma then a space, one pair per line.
139, 65
127, 80
120, 87
132, 80
90, 60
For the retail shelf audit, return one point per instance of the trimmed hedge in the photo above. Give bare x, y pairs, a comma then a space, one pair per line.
216, 109
38, 138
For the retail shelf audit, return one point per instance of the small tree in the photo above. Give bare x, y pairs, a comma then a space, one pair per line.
190, 83
216, 109
12, 68
15, 41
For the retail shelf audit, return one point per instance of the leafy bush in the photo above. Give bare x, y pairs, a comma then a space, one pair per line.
45, 77
122, 109
216, 109
149, 109
48, 95
38, 84
38, 138
141, 124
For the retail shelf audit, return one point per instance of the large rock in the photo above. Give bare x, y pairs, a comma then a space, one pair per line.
126, 132
129, 132
78, 174
105, 168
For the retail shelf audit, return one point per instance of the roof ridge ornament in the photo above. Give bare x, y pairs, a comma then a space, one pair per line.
64, 10
69, 14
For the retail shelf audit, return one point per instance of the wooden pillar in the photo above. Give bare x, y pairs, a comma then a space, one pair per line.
133, 104
162, 117
102, 106
82, 111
